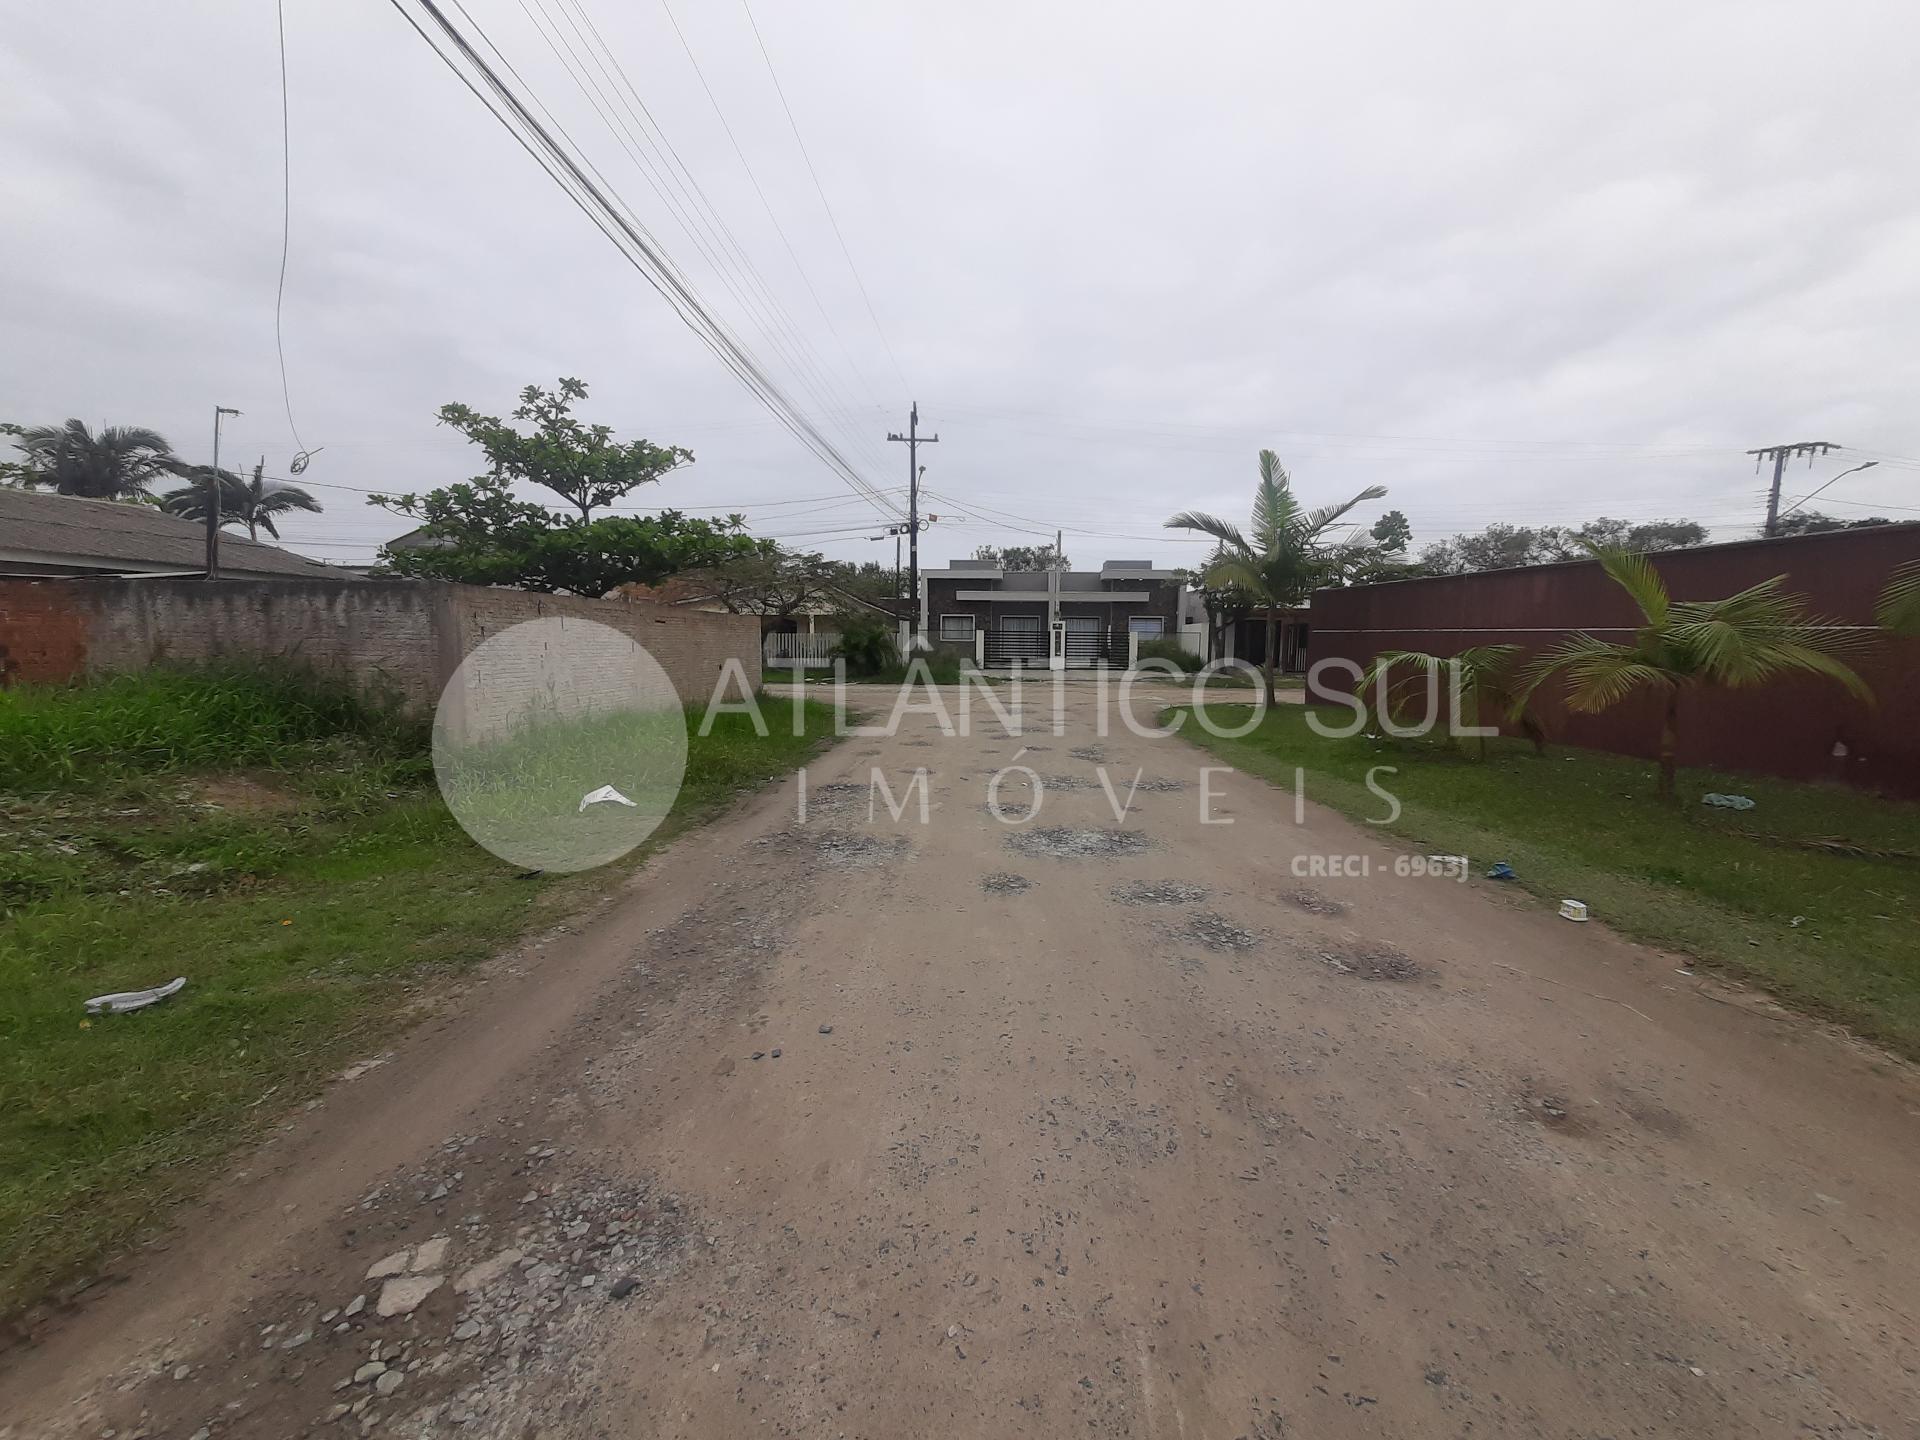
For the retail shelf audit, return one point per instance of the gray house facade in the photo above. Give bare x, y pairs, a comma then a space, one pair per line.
1012, 616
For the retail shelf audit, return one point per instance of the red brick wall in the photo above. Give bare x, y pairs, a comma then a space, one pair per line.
1789, 728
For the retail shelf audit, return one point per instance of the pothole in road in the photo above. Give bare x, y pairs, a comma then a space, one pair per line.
846, 848
1369, 962
1006, 883
1157, 892
1064, 842
1094, 753
1216, 932
1314, 903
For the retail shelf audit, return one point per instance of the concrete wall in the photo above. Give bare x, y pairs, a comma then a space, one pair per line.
1799, 728
402, 638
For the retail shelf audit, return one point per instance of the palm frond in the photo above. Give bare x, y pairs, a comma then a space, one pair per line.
1899, 608
1598, 673
1633, 572
1224, 531
1310, 523
1236, 572
1273, 502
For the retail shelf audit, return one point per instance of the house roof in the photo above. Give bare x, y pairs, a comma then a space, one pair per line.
111, 536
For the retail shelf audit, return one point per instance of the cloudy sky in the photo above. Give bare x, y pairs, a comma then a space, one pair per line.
1527, 263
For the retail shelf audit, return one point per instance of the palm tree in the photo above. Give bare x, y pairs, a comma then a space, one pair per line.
1284, 555
1482, 676
1745, 639
252, 503
1899, 609
119, 463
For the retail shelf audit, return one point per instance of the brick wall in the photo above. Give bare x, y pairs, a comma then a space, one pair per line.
398, 638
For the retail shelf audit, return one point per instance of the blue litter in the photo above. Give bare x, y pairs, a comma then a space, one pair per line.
1501, 871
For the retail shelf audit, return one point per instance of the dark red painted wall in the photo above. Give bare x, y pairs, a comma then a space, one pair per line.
1788, 728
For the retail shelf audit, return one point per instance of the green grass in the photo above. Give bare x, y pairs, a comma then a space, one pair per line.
313, 912
1723, 886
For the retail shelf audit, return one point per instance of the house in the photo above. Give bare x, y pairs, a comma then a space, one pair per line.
1011, 616
46, 534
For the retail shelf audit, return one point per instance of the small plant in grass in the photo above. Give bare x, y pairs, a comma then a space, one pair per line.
1746, 639
1481, 675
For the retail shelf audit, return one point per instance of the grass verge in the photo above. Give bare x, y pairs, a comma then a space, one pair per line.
1814, 894
286, 851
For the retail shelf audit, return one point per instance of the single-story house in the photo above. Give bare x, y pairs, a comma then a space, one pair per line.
46, 534
1012, 612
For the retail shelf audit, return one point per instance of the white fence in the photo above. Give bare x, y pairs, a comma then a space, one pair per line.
791, 650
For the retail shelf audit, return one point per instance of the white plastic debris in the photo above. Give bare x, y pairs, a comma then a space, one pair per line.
122, 1000
1573, 910
604, 794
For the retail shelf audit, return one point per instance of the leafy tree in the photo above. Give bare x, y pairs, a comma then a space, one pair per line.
1504, 547
1025, 558
479, 533
1392, 531
121, 462
1743, 640
1813, 522
1284, 555
580, 463
772, 582
252, 503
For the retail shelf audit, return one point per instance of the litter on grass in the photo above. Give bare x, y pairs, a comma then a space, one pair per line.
604, 794
1573, 909
122, 1000
1727, 802
1501, 871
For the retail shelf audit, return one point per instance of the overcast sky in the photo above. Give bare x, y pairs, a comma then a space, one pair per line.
1528, 263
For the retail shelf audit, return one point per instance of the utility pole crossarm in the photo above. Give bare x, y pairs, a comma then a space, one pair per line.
1778, 454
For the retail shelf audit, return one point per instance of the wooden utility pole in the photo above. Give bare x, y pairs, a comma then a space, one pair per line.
1778, 454
913, 440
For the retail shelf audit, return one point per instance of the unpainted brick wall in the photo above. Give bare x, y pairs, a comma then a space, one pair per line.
397, 638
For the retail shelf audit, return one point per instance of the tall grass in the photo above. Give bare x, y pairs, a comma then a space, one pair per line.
162, 721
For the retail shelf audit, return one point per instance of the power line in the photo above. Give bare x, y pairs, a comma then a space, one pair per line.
627, 235
821, 191
286, 222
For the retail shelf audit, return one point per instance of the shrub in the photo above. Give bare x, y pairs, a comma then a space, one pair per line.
866, 643
1165, 648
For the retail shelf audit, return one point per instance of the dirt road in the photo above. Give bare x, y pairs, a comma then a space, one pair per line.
967, 1129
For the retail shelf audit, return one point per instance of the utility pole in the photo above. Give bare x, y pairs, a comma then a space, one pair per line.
213, 497
1778, 454
913, 440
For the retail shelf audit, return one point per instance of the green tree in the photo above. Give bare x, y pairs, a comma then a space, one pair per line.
1744, 640
1392, 531
1813, 522
252, 503
774, 582
580, 463
1025, 558
1284, 555
479, 533
120, 462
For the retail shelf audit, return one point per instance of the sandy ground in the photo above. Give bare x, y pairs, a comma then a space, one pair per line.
877, 1129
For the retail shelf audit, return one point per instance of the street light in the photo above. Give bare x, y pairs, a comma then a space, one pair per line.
1863, 465
213, 496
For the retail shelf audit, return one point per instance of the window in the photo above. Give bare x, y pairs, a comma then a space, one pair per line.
1020, 624
956, 629
1147, 624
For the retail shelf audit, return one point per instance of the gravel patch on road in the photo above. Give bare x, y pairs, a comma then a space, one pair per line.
1064, 842
1314, 903
1369, 962
1157, 892
1006, 883
1216, 932
848, 849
